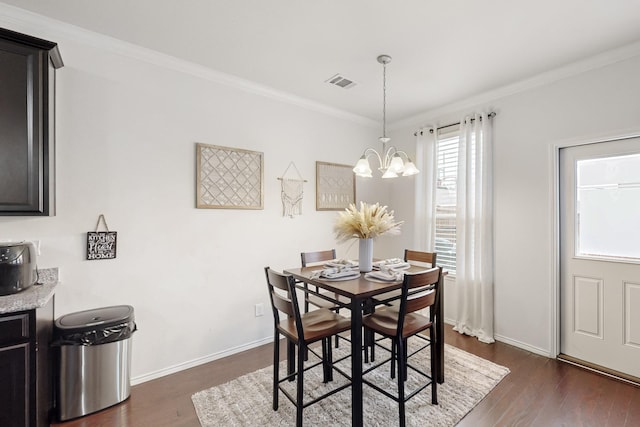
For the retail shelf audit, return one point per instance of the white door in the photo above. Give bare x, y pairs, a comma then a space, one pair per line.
600, 254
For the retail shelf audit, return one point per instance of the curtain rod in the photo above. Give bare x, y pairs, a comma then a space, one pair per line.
490, 115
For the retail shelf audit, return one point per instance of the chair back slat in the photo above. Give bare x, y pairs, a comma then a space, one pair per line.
316, 257
279, 292
424, 278
428, 258
282, 304
423, 301
419, 290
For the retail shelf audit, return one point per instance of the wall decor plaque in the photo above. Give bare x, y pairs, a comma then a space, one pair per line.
228, 178
101, 244
335, 186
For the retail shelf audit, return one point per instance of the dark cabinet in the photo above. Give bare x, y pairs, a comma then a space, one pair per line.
25, 367
27, 121
14, 362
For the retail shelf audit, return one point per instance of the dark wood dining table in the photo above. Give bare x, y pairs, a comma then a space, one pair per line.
358, 291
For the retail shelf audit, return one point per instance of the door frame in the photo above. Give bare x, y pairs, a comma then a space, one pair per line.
554, 294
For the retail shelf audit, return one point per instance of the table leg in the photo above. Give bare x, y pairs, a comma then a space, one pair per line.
356, 362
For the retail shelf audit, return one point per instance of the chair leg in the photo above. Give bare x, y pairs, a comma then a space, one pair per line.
300, 385
369, 335
276, 368
369, 345
337, 337
291, 359
366, 344
434, 367
393, 358
372, 341
406, 358
329, 359
325, 360
401, 379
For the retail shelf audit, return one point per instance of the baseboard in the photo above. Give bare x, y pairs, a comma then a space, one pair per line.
507, 340
229, 352
199, 361
524, 346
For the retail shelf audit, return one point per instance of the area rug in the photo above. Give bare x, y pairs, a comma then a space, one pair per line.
247, 400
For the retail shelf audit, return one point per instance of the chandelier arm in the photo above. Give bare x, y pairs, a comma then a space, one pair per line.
370, 151
403, 153
388, 155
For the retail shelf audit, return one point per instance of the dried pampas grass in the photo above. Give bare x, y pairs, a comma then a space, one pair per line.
369, 221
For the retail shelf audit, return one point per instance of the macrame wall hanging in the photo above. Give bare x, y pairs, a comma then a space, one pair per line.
292, 192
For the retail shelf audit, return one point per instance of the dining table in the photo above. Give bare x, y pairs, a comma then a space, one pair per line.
359, 290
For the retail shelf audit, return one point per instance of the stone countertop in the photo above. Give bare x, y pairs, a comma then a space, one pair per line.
35, 296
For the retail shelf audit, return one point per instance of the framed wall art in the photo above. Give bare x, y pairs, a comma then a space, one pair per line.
229, 178
335, 186
101, 244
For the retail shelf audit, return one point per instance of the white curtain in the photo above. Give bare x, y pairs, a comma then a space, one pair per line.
474, 241
425, 189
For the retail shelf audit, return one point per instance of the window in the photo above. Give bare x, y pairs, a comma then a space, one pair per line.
445, 201
608, 204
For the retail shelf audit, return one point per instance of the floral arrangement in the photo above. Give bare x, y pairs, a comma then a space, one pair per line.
370, 221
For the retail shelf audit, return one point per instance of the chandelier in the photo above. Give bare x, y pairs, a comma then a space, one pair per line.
390, 159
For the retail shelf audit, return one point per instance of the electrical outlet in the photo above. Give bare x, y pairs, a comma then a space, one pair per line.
259, 309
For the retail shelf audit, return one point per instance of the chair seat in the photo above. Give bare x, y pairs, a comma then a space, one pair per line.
323, 303
316, 324
385, 322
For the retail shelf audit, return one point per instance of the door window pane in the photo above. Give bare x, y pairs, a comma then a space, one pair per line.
608, 207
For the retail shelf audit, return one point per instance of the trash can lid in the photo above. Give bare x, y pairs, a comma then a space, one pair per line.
98, 318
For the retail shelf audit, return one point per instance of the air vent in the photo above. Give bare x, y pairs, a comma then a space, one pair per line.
341, 81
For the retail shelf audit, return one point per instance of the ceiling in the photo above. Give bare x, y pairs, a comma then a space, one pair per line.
443, 51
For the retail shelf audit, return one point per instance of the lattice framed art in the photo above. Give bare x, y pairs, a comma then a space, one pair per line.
335, 186
229, 178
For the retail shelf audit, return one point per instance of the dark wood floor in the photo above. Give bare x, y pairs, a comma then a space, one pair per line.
538, 392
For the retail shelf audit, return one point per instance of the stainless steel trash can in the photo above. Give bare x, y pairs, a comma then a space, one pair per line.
94, 360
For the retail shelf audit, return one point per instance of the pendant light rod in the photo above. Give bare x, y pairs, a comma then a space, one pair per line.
384, 60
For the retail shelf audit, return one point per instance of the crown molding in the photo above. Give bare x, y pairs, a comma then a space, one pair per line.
25, 21
548, 77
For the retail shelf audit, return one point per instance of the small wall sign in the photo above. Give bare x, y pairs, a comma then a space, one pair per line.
101, 244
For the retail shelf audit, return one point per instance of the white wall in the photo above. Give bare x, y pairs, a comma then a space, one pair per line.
126, 138
602, 101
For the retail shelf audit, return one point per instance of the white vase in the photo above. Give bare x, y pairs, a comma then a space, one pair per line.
365, 257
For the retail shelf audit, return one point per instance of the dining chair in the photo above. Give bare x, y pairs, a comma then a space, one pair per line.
312, 298
419, 258
419, 291
301, 330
